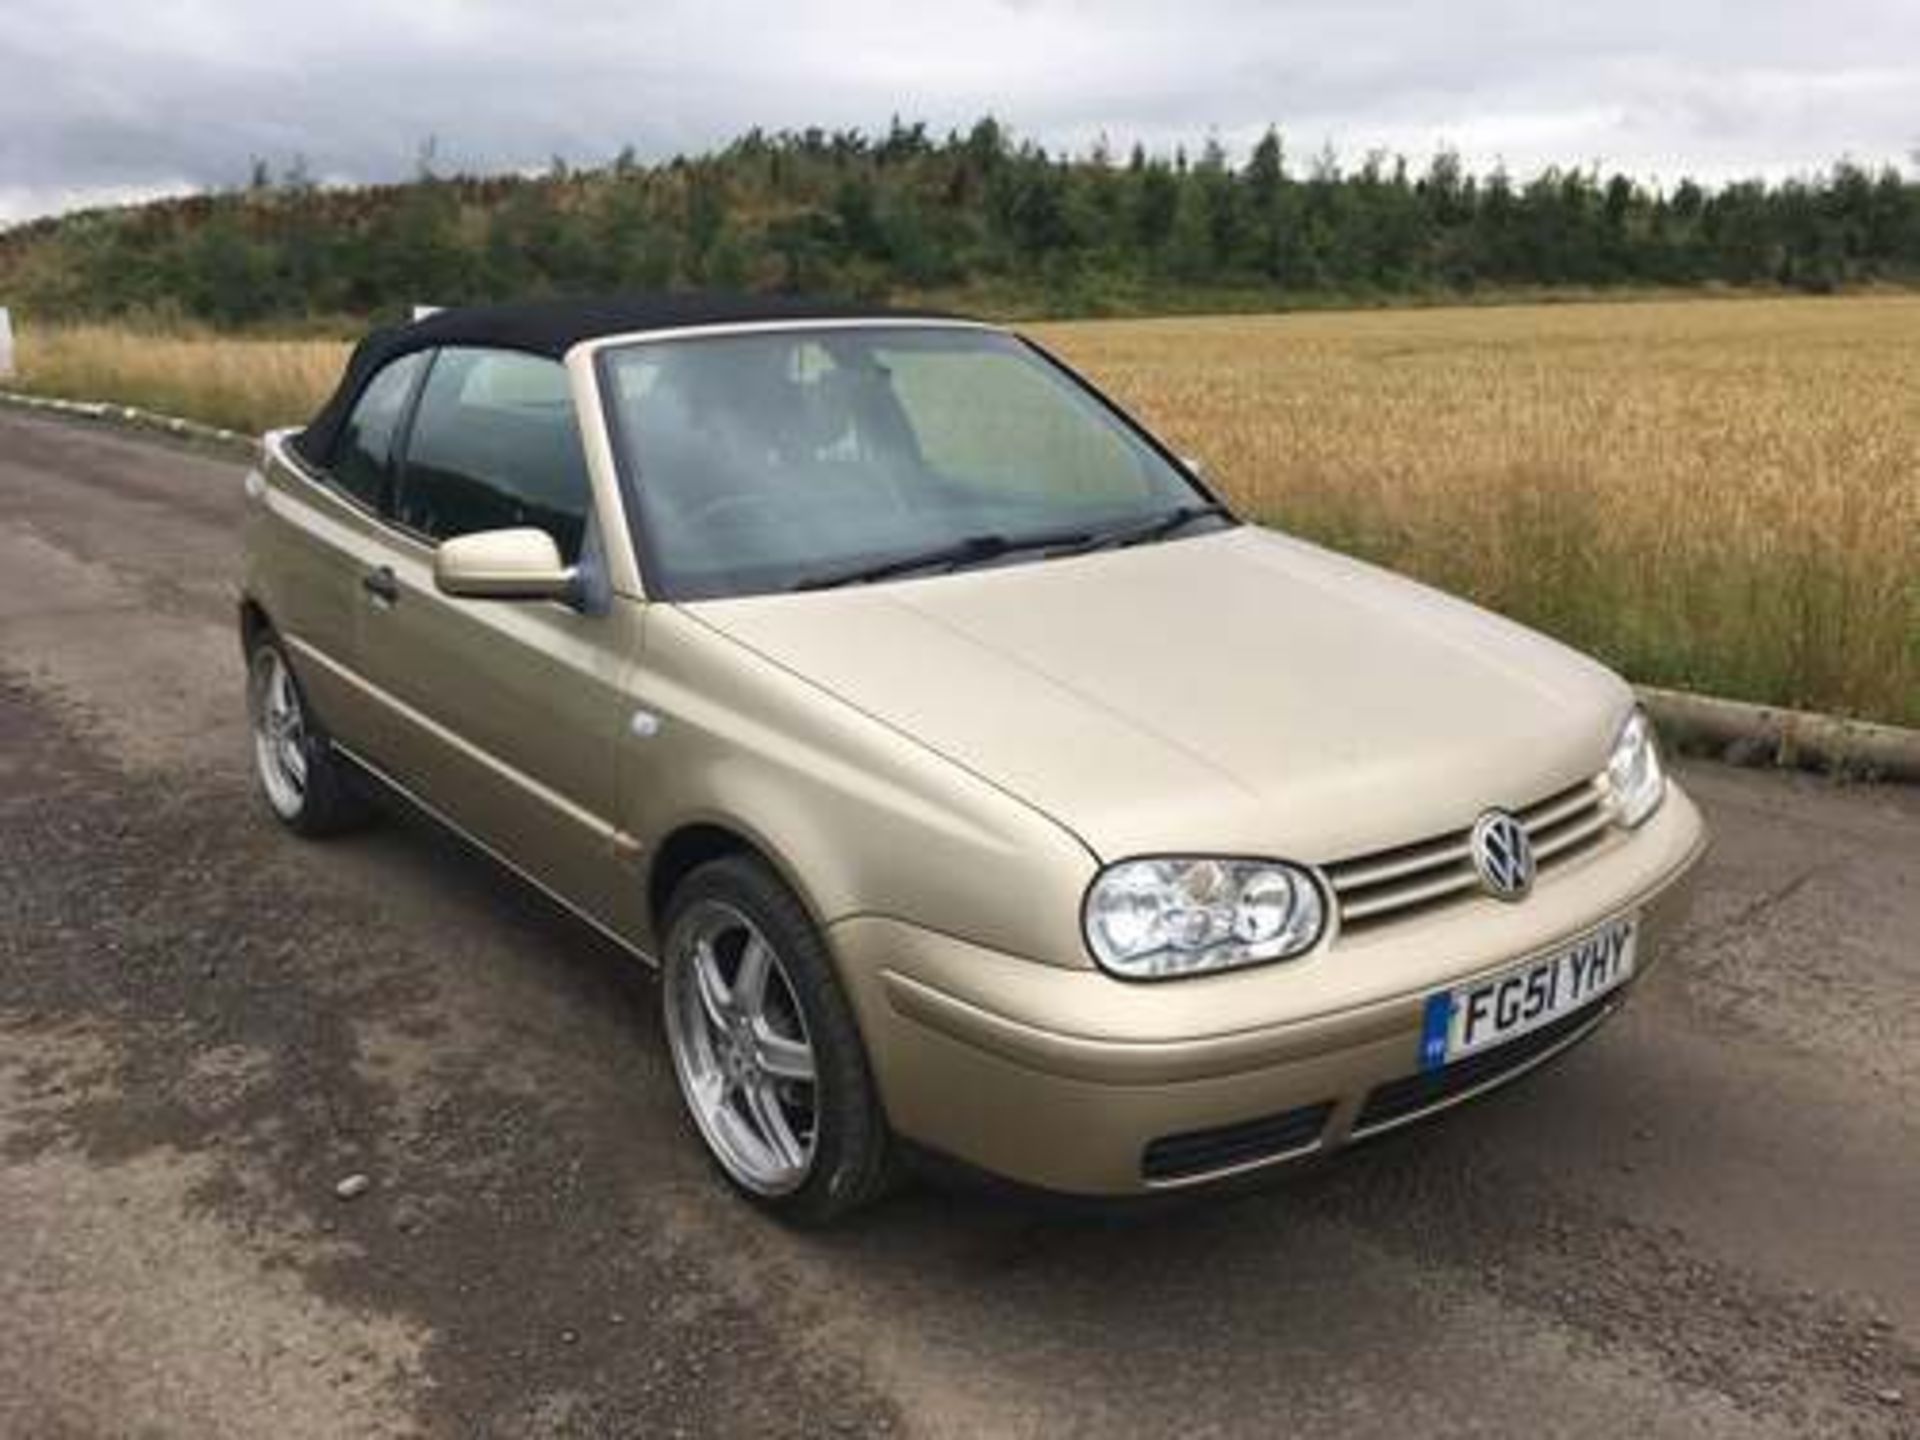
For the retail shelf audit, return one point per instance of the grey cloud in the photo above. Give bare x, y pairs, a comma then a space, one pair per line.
118, 98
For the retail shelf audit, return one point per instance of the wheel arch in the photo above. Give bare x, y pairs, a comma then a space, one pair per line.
254, 622
696, 842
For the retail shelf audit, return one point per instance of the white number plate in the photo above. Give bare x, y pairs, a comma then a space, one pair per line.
1503, 1007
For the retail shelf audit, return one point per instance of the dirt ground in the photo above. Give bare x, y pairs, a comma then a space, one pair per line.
1706, 1222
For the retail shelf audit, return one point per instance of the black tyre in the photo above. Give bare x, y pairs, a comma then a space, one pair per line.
305, 782
765, 1049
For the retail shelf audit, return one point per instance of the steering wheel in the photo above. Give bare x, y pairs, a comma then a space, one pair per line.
718, 506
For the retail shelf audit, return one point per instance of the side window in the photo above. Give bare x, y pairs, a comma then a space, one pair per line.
494, 444
363, 455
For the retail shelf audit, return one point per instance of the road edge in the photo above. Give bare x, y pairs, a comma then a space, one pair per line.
1742, 733
132, 415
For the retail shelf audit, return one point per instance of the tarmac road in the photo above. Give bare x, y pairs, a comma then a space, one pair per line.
1705, 1222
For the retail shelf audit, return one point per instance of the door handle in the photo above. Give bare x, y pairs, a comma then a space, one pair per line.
380, 583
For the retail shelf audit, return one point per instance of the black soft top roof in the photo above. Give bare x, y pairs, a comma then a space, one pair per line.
552, 327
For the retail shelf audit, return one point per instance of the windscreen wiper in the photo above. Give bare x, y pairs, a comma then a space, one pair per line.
1157, 528
972, 550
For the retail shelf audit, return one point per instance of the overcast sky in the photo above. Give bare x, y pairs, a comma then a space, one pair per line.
109, 99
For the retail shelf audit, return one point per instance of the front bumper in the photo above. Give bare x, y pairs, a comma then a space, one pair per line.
1069, 1080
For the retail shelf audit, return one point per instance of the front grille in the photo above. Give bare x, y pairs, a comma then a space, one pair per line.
1431, 1089
1389, 884
1194, 1153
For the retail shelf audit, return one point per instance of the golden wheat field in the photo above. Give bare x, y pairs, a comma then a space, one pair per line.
1720, 495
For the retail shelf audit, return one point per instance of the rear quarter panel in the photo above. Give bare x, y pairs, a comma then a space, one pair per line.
305, 547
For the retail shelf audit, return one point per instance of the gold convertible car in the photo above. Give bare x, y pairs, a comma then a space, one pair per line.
980, 784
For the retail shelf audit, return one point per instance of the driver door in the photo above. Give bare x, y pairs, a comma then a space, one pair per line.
503, 716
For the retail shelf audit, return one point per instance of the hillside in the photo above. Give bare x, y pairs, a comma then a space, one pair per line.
976, 218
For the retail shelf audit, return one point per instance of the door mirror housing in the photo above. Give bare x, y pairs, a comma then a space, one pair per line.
518, 564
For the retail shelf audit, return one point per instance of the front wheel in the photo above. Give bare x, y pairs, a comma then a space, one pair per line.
305, 782
764, 1046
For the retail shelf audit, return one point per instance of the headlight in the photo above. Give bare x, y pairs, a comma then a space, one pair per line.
1638, 780
1161, 918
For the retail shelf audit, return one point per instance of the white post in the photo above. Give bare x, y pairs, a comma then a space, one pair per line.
6, 344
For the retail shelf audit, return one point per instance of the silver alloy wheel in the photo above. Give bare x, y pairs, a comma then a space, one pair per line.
279, 733
740, 1049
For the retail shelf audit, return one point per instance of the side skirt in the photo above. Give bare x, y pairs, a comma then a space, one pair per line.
386, 782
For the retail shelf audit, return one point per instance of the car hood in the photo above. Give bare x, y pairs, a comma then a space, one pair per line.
1235, 692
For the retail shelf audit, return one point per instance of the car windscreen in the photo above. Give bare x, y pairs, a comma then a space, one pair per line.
774, 460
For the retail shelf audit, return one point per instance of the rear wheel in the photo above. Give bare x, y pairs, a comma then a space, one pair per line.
764, 1046
305, 782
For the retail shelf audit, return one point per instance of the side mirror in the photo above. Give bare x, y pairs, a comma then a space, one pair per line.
1195, 466
518, 564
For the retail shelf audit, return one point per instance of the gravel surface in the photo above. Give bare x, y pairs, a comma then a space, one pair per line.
365, 1139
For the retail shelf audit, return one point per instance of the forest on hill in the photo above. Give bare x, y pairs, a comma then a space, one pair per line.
976, 218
